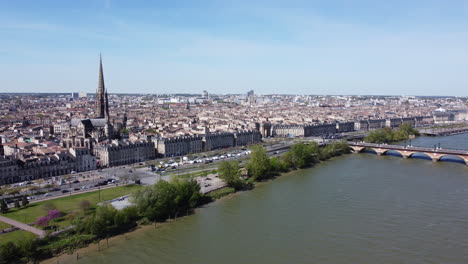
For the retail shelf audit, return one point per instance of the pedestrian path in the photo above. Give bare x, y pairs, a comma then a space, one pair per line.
25, 227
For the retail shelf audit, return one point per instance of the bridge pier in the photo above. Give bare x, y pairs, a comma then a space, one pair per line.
380, 151
406, 154
356, 149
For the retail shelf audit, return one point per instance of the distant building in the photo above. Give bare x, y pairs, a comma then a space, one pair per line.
179, 146
82, 95
250, 97
124, 152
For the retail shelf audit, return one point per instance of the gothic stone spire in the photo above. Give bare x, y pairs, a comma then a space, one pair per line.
102, 104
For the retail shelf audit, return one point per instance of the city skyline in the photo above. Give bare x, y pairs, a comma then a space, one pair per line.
357, 48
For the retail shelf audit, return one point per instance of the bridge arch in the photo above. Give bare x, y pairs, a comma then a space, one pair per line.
393, 152
368, 150
420, 155
453, 158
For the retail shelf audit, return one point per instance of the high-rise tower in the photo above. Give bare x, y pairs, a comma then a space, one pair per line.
102, 101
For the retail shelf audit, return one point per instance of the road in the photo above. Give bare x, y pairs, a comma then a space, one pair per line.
86, 181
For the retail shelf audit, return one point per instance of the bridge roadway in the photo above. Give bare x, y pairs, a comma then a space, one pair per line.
443, 131
408, 151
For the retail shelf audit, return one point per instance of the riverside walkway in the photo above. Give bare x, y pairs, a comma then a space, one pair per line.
25, 227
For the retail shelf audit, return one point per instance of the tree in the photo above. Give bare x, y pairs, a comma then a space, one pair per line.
167, 199
9, 253
303, 155
42, 221
156, 202
229, 172
84, 205
3, 206
187, 195
48, 207
25, 201
17, 204
278, 165
259, 164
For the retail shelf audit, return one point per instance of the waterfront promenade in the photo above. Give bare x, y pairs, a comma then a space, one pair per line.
25, 227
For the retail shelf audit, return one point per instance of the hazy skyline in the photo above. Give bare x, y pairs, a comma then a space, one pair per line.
291, 47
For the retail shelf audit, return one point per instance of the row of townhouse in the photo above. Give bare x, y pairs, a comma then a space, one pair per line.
25, 167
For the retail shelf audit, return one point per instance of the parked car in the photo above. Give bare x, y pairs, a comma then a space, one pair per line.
65, 191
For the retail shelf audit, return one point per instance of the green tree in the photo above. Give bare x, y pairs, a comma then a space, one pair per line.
303, 155
3, 206
9, 253
156, 202
259, 166
29, 249
388, 135
229, 172
25, 201
278, 165
187, 195
100, 224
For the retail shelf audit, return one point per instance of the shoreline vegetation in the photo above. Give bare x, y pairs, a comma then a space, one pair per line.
164, 201
388, 135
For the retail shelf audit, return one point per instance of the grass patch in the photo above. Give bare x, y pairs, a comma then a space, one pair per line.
4, 225
15, 236
68, 204
221, 192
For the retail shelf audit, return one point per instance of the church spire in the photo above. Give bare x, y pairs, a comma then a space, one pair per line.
102, 104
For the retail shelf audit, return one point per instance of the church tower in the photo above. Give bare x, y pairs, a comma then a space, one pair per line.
102, 101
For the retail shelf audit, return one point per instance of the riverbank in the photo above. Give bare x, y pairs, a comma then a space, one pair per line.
140, 229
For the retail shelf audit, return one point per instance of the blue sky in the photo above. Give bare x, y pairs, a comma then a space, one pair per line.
292, 47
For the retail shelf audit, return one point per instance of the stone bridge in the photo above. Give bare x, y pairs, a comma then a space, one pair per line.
407, 151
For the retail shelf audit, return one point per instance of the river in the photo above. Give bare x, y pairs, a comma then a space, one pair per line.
359, 208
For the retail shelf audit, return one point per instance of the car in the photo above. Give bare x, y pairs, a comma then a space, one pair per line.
130, 170
65, 191
77, 181
55, 189
76, 189
47, 194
